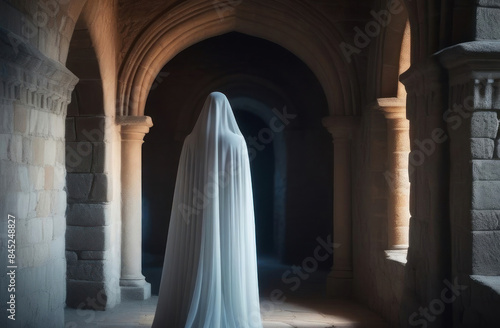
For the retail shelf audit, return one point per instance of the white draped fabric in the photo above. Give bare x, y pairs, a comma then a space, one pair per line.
209, 275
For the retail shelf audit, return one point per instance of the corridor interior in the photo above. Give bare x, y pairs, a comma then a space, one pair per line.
370, 123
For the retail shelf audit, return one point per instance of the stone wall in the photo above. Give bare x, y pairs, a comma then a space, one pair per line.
428, 268
92, 237
475, 180
34, 93
89, 238
378, 273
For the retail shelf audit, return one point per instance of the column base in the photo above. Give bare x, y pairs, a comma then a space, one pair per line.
136, 293
339, 287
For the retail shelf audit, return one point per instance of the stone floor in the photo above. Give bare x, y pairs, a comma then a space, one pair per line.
301, 305
310, 313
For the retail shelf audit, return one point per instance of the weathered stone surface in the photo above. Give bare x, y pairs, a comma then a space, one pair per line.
98, 163
21, 118
86, 270
4, 146
41, 254
49, 177
497, 148
78, 156
71, 257
482, 148
43, 206
57, 126
23, 180
34, 230
486, 252
59, 177
484, 125
32, 204
486, 195
101, 188
48, 230
79, 185
485, 220
38, 145
87, 238
14, 203
16, 149
56, 248
7, 118
89, 215
59, 225
50, 152
487, 19
39, 122
27, 151
33, 83
43, 123
486, 170
61, 153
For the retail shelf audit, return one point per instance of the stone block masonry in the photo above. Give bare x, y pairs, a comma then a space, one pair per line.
89, 186
33, 104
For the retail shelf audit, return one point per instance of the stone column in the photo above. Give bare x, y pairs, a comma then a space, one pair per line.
132, 282
398, 148
340, 278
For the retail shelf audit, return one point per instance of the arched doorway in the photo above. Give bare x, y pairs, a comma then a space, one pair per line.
265, 84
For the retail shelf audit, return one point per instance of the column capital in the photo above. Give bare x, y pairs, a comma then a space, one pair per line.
341, 127
392, 108
134, 127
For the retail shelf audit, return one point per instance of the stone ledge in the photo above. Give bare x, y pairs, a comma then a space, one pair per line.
396, 255
491, 285
485, 299
134, 120
486, 52
27, 68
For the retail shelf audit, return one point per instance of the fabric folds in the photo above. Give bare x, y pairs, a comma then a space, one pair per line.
209, 276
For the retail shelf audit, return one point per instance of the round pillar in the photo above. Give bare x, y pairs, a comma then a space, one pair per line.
132, 282
340, 278
398, 148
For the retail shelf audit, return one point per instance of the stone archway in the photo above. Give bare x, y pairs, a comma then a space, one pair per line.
312, 38
382, 216
299, 28
170, 96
